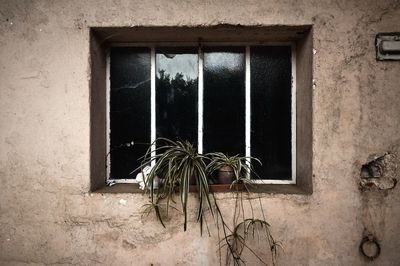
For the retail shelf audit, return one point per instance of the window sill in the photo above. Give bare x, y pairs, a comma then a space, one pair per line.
221, 188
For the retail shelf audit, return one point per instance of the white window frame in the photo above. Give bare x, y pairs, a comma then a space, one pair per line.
247, 46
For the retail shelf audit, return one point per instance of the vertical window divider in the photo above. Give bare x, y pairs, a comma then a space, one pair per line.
200, 102
153, 101
294, 111
108, 128
248, 107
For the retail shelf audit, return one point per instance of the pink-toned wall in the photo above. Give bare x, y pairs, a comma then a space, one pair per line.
47, 215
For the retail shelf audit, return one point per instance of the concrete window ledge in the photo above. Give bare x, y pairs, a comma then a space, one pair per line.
102, 37
259, 188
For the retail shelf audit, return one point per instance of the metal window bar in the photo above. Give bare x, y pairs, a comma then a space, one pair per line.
200, 90
153, 101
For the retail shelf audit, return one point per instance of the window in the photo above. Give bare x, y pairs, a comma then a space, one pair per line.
237, 98
233, 95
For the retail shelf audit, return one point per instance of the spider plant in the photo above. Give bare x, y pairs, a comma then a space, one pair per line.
176, 165
236, 242
240, 166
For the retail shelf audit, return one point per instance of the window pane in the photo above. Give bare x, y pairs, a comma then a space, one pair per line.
271, 110
224, 100
129, 108
176, 93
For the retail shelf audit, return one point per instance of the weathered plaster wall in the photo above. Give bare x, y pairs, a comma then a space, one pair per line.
47, 215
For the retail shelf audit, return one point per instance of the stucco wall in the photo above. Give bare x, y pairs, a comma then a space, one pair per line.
47, 215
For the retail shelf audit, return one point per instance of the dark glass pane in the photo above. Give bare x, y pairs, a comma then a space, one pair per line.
224, 100
271, 110
176, 93
129, 108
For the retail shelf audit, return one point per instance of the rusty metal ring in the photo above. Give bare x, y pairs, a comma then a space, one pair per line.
372, 240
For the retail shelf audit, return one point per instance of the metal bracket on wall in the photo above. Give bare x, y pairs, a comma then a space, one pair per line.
387, 46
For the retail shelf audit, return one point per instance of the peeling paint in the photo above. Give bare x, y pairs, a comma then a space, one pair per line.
382, 172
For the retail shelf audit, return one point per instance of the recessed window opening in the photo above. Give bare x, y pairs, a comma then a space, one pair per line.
236, 98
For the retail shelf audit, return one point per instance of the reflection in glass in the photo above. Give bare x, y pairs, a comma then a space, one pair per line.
176, 93
224, 100
129, 108
271, 110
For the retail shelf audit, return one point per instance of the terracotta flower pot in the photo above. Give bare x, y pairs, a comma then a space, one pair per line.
225, 175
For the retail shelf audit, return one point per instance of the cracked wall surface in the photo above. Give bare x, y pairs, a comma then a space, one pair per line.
47, 215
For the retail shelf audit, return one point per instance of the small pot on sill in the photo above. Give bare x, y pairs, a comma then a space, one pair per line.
225, 175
